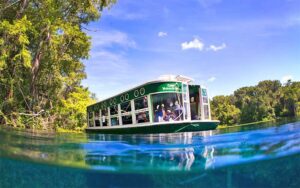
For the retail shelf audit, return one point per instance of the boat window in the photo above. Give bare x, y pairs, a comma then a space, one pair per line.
104, 121
141, 103
167, 107
126, 107
104, 112
205, 100
204, 92
142, 117
126, 113
104, 117
206, 112
97, 119
127, 119
114, 121
90, 116
114, 110
184, 88
142, 111
194, 103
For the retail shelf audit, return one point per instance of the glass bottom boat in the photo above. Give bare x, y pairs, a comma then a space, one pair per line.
167, 105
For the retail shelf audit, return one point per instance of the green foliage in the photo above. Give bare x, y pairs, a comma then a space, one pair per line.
289, 99
223, 110
42, 45
265, 101
73, 109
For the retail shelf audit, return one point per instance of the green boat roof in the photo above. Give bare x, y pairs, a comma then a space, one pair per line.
137, 92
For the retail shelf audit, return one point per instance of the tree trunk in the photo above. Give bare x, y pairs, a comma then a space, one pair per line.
34, 74
10, 92
23, 6
36, 66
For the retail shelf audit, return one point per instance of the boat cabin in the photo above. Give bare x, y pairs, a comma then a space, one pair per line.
169, 99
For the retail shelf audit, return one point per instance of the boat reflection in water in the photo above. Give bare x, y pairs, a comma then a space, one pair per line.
159, 152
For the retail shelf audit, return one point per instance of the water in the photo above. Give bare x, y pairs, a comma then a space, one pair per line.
259, 155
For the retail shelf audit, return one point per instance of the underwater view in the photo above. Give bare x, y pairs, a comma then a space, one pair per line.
257, 155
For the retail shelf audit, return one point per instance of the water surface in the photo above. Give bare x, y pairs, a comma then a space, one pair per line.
259, 155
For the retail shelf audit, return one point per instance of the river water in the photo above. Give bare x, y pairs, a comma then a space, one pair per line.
258, 155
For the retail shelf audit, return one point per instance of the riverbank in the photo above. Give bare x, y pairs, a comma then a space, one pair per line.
62, 130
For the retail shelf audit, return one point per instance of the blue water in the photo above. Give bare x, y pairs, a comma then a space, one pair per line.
259, 155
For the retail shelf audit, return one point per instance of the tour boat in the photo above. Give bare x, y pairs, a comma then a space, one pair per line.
169, 104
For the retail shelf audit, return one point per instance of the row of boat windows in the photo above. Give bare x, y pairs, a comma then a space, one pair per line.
140, 103
165, 107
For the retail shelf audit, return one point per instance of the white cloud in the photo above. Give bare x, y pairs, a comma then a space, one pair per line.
284, 79
162, 34
217, 48
211, 79
194, 44
109, 38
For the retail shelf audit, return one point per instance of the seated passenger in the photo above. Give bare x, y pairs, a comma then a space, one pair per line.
170, 115
157, 114
104, 122
142, 117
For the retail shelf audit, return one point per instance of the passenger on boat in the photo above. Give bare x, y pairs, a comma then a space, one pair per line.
163, 109
142, 117
170, 115
159, 114
145, 101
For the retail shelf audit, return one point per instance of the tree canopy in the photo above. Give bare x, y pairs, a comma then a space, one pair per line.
265, 101
42, 46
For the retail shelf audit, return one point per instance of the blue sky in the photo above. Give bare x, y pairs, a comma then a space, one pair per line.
222, 44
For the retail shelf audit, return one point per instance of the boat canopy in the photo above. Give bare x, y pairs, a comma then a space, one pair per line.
178, 78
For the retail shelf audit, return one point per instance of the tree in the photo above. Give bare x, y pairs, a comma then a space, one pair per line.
224, 110
42, 45
72, 112
265, 101
290, 99
258, 103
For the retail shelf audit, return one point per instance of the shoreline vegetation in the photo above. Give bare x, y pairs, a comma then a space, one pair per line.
268, 100
42, 49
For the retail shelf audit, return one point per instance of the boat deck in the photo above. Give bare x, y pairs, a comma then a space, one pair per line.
165, 127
